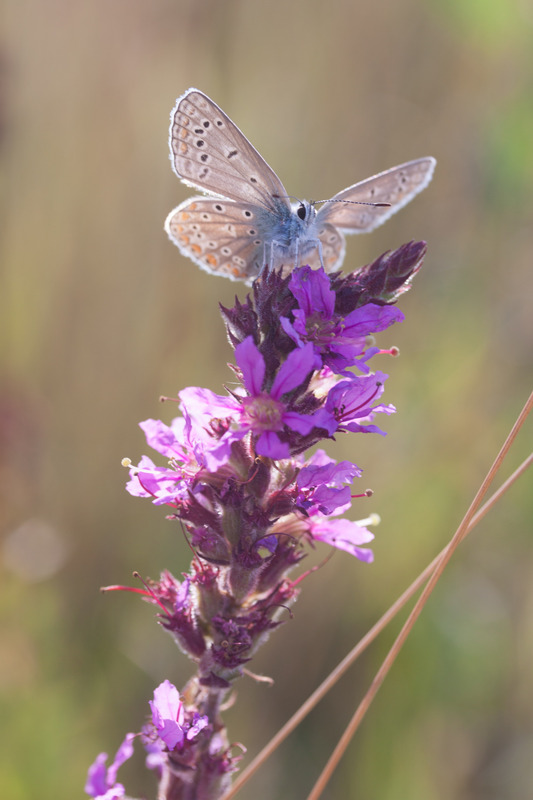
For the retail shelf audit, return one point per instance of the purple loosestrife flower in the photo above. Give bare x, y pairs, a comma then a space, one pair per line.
339, 341
342, 534
339, 533
184, 447
251, 500
168, 717
101, 780
260, 412
350, 403
320, 483
321, 495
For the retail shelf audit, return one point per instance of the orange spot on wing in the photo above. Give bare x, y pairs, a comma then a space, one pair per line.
196, 249
183, 147
184, 239
211, 260
183, 216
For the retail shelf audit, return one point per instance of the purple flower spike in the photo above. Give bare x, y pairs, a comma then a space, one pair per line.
101, 780
168, 714
250, 498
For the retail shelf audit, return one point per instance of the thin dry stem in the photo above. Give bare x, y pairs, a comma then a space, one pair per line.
419, 605
372, 634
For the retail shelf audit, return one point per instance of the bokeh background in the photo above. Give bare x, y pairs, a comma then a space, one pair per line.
100, 315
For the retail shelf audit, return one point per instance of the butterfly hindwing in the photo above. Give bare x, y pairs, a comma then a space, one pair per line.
333, 245
221, 236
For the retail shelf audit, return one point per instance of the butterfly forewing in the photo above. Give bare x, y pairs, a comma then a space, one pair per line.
396, 186
209, 151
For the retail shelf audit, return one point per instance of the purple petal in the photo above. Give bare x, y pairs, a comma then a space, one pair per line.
354, 427
324, 419
269, 445
134, 485
319, 458
166, 702
329, 499
301, 423
160, 437
167, 714
352, 398
290, 330
312, 289
252, 364
202, 405
293, 371
330, 473
198, 724
96, 784
220, 453
159, 483
101, 782
344, 535
370, 318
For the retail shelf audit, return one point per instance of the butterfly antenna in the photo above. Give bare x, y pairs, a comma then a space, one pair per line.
354, 202
316, 202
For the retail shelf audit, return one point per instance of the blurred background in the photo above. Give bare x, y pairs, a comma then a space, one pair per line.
100, 315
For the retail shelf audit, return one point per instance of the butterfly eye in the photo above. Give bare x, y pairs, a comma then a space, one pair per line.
302, 213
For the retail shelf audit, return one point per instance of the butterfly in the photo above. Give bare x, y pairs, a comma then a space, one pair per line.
249, 222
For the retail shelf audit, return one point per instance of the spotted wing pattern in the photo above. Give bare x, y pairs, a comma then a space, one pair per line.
221, 236
209, 152
333, 246
396, 186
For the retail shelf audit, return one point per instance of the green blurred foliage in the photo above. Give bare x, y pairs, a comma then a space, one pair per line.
100, 315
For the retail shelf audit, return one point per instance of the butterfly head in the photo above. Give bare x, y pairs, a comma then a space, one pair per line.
305, 211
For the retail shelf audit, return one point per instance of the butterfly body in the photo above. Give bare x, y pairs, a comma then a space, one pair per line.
248, 222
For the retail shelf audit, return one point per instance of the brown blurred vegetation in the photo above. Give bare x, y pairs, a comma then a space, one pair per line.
100, 315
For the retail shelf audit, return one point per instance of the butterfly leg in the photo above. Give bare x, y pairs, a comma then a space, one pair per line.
318, 244
278, 255
268, 256
296, 254
313, 247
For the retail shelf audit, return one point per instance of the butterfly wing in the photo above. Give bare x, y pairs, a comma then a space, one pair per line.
396, 186
333, 246
221, 236
209, 152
